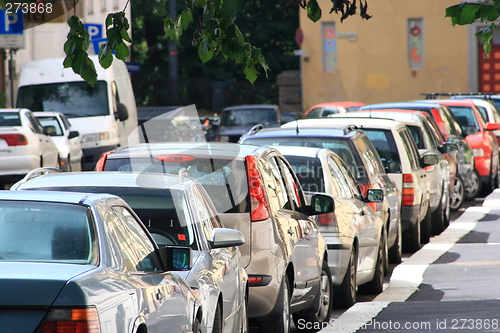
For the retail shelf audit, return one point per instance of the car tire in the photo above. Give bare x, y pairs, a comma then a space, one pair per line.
396, 251
474, 188
280, 324
440, 217
376, 285
345, 293
457, 195
411, 239
426, 227
217, 327
69, 168
323, 308
490, 186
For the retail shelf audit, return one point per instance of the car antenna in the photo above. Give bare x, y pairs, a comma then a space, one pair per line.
297, 127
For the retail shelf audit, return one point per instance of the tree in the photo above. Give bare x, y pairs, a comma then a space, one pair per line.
468, 13
214, 33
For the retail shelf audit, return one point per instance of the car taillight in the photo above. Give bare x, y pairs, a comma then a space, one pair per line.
14, 139
99, 166
326, 219
259, 210
175, 158
408, 190
67, 320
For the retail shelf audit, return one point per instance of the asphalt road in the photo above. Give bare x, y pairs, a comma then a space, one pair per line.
451, 284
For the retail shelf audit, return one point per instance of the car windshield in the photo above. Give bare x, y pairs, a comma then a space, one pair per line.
337, 145
10, 119
385, 144
223, 179
46, 232
163, 211
51, 121
74, 99
248, 117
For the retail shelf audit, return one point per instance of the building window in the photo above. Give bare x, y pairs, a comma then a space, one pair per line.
103, 5
116, 4
90, 7
415, 43
329, 38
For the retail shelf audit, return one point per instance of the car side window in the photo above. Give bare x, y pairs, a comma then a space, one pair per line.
369, 155
34, 124
206, 216
341, 187
410, 147
291, 183
434, 132
136, 247
281, 190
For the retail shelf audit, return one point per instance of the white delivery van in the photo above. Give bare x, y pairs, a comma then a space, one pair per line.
104, 114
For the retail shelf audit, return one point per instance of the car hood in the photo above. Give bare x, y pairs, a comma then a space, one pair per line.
34, 284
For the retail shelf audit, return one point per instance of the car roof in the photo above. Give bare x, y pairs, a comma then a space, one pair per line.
52, 196
108, 179
311, 152
343, 120
291, 131
454, 102
400, 115
47, 113
213, 149
14, 110
342, 104
402, 105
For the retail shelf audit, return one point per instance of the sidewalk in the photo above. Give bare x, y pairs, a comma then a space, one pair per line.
452, 283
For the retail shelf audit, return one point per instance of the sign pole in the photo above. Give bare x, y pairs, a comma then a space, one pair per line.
12, 75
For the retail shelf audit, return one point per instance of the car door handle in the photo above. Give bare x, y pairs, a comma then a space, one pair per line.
159, 295
423, 176
290, 231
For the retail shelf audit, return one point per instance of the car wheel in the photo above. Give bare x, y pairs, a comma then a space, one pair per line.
396, 251
457, 195
411, 239
376, 285
323, 308
472, 191
491, 184
217, 328
345, 294
279, 324
439, 216
426, 227
69, 168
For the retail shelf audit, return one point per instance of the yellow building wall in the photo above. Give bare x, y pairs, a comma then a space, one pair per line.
372, 55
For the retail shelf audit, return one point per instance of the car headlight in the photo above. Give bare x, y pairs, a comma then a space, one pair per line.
95, 137
478, 152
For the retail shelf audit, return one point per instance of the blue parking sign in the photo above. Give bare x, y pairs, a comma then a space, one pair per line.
11, 22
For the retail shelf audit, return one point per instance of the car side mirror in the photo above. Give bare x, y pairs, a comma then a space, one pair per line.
73, 134
121, 111
50, 130
429, 159
375, 195
448, 147
321, 204
175, 258
492, 126
225, 237
393, 167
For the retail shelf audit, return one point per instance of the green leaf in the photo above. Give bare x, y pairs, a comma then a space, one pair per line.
185, 18
114, 37
205, 51
251, 73
122, 51
105, 56
232, 7
125, 36
313, 10
109, 20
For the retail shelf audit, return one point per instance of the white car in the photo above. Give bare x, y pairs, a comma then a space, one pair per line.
24, 145
64, 137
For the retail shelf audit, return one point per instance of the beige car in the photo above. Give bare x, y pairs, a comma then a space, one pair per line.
255, 191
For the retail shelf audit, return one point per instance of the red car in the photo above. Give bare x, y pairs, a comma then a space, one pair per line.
326, 109
481, 139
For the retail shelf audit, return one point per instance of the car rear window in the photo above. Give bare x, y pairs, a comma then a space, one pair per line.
309, 172
46, 232
224, 179
383, 141
10, 119
337, 145
466, 118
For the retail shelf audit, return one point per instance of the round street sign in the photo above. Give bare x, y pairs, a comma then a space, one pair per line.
299, 36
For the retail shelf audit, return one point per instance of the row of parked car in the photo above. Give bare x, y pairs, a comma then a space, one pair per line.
36, 139
217, 237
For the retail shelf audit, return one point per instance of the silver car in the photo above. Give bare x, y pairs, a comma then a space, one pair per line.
84, 262
177, 211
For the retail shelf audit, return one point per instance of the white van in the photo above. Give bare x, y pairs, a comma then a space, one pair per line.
104, 114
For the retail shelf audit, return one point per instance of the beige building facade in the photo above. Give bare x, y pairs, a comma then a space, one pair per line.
407, 48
